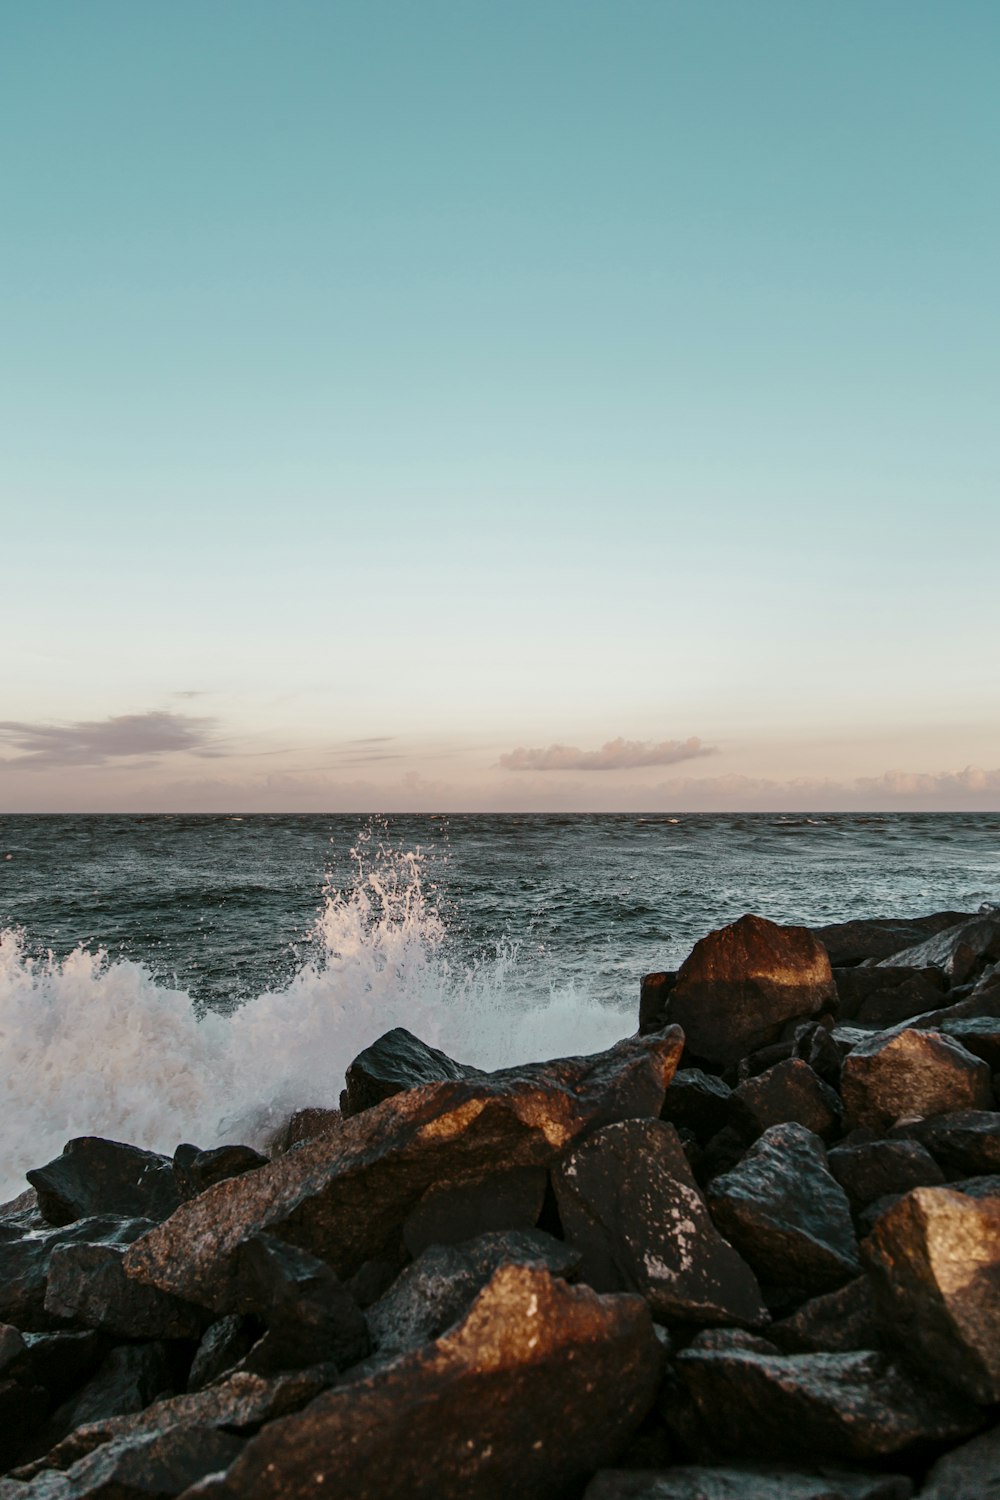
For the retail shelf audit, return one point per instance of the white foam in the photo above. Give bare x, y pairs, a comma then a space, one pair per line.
94, 1046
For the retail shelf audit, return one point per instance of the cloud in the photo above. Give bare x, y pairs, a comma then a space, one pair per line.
93, 742
930, 783
616, 755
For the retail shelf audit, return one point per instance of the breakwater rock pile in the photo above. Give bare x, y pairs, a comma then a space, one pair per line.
752, 1251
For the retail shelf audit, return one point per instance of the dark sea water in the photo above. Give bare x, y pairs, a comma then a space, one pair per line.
182, 977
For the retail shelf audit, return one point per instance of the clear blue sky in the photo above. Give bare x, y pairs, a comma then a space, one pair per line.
417, 384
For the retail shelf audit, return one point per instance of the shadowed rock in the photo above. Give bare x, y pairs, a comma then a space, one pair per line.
881, 937
127, 1380
743, 983
747, 1482
698, 1102
310, 1315
790, 1091
345, 1196
971, 1472
934, 1259
960, 951
224, 1344
785, 1213
910, 1074
153, 1466
979, 1035
398, 1060
881, 997
869, 1170
195, 1170
87, 1284
504, 1200
965, 1144
629, 1204
538, 1385
25, 1256
837, 1322
94, 1176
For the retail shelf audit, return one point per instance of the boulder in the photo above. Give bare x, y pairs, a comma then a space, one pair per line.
224, 1344
539, 1385
59, 1361
22, 1411
12, 1346
834, 1323
979, 1035
344, 1196
868, 1170
504, 1200
398, 1060
964, 1144
654, 990
698, 1102
881, 997
95, 1177
880, 937
820, 1407
153, 1466
629, 1204
25, 1256
971, 1472
960, 952
87, 1284
786, 1214
745, 1482
195, 1170
910, 1074
310, 1315
127, 1380
788, 1091
934, 1259
303, 1125
742, 984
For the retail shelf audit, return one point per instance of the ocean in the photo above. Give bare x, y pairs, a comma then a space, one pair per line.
170, 978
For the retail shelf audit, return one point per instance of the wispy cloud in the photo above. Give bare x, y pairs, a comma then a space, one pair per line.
93, 742
930, 783
616, 755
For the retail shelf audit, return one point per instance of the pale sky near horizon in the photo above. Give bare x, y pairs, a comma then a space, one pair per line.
539, 405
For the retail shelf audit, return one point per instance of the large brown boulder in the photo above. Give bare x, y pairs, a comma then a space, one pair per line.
538, 1385
910, 1074
742, 984
934, 1258
344, 1197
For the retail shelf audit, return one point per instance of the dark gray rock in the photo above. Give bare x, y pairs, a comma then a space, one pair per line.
790, 1091
223, 1345
979, 1035
934, 1260
505, 1200
971, 1472
12, 1346
87, 1284
398, 1060
23, 1409
960, 952
742, 984
195, 1170
835, 1323
698, 1102
59, 1361
746, 1482
94, 1177
629, 1204
345, 1196
964, 1144
910, 1074
153, 1466
128, 1379
881, 937
25, 1256
875, 1169
786, 1215
881, 997
310, 1315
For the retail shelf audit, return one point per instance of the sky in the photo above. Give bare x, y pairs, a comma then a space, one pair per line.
468, 406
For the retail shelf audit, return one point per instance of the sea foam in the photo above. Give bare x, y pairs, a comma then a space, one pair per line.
94, 1045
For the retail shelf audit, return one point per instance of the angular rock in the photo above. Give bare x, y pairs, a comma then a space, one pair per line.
869, 1170
629, 1204
303, 1125
224, 1344
345, 1196
436, 1290
398, 1060
979, 1035
87, 1284
94, 1177
654, 990
821, 1407
195, 1170
910, 1074
964, 1144
788, 1091
59, 1361
881, 997
881, 937
742, 984
25, 1257
505, 1200
539, 1385
746, 1482
785, 1213
960, 951
934, 1259
971, 1472
698, 1102
816, 1045
835, 1323
310, 1315
12, 1346
128, 1379
153, 1466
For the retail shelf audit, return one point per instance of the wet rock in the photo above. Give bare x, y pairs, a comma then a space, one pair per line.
398, 1060
746, 1482
965, 1144
978, 1187
837, 1322
723, 1152
310, 1315
59, 1361
857, 1406
869, 1170
881, 937
971, 1472
505, 1200
961, 951
95, 1177
224, 1344
241, 1403
785, 1213
25, 1257
22, 1411
934, 1260
22, 1212
436, 1290
911, 1074
654, 990
540, 1384
195, 1170
816, 1045
698, 1102
979, 1035
154, 1466
128, 1379
788, 1091
742, 984
629, 1204
12, 1346
303, 1125
881, 997
345, 1196
87, 1284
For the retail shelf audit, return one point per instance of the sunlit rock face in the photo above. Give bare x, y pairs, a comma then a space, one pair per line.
742, 984
934, 1259
910, 1074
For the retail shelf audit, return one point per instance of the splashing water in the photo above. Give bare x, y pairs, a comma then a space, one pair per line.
94, 1046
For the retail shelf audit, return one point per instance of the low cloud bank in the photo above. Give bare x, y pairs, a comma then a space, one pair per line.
615, 755
93, 742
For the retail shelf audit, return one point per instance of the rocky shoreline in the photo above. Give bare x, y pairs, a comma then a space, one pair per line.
750, 1253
